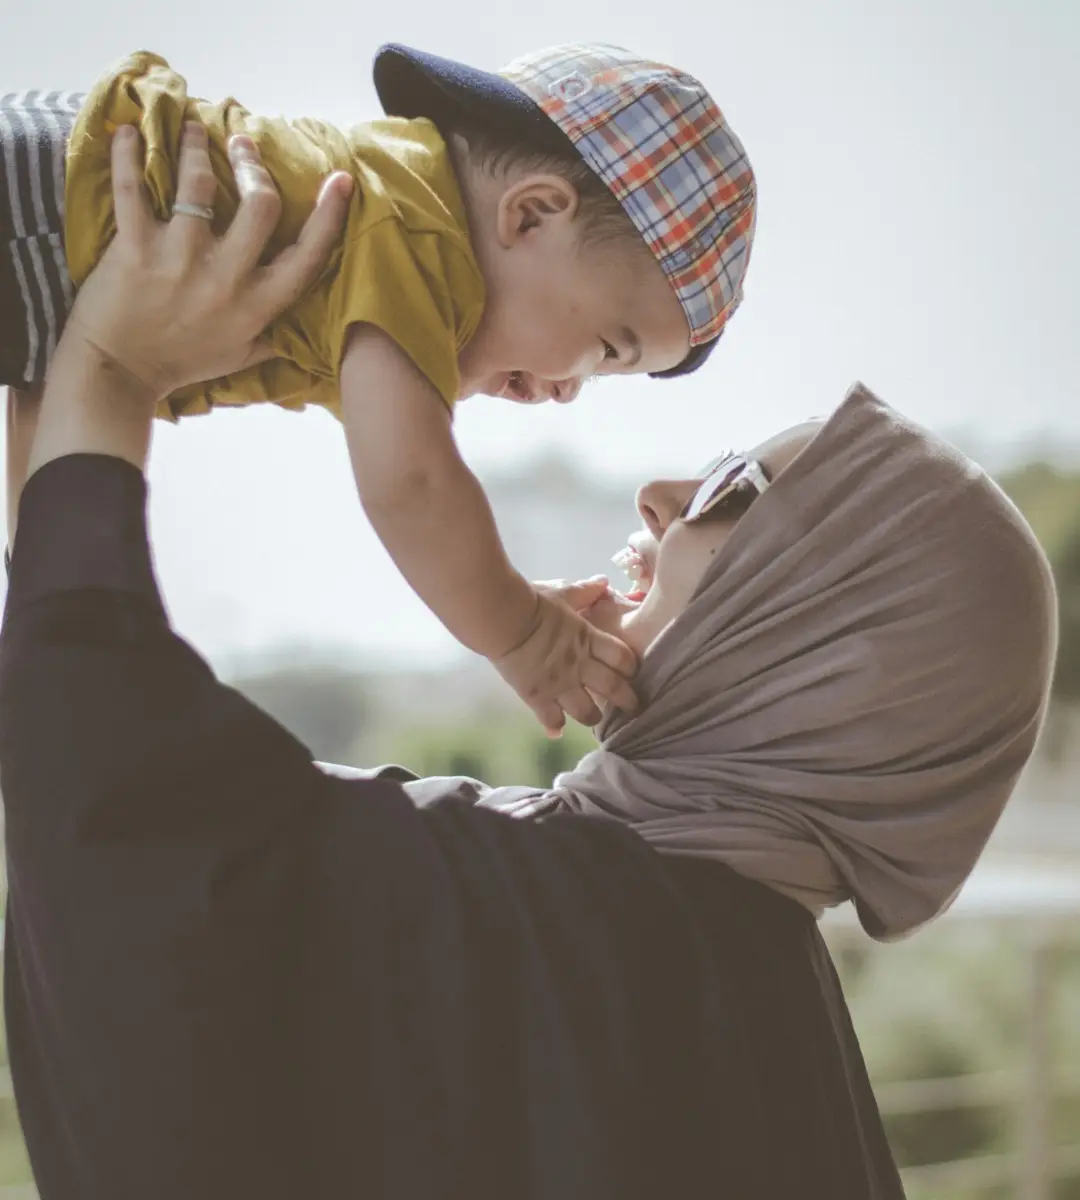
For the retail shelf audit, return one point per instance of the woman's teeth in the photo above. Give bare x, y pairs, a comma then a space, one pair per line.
636, 569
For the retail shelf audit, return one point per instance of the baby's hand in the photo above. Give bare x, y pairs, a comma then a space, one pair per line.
565, 666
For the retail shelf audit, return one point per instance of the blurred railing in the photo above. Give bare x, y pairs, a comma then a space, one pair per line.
1039, 909
1037, 906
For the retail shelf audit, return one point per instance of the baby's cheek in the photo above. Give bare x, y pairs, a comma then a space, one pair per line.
570, 350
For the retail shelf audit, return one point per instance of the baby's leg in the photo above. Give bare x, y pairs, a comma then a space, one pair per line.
35, 289
22, 418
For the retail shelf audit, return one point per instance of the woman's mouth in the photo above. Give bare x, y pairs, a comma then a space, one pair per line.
637, 571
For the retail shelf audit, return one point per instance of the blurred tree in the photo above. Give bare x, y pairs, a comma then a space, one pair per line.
1050, 500
555, 755
495, 748
465, 763
1067, 573
947, 1134
325, 706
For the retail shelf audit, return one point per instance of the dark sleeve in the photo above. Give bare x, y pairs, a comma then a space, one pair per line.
155, 821
89, 663
227, 975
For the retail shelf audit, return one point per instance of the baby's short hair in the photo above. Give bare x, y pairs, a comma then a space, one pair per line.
645, 145
495, 152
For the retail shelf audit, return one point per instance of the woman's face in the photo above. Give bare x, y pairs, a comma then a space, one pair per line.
674, 555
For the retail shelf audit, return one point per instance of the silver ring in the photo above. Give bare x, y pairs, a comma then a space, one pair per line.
202, 211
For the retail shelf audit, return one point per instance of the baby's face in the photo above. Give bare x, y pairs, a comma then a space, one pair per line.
671, 555
559, 312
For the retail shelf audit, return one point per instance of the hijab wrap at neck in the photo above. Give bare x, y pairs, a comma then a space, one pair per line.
844, 707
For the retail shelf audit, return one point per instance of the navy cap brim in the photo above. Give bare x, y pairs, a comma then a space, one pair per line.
696, 358
410, 84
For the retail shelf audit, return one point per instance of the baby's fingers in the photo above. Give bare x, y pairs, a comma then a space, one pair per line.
296, 268
550, 715
614, 653
578, 704
579, 595
609, 686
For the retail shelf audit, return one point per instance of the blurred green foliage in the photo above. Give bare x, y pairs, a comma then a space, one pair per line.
326, 705
952, 1001
502, 749
1049, 498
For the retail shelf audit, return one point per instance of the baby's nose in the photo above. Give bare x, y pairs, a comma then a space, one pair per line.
565, 391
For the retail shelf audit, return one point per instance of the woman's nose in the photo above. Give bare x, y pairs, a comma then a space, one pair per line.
661, 502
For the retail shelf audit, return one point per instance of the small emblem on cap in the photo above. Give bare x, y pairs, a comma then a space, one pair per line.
569, 87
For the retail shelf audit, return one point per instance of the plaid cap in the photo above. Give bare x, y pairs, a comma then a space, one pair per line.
655, 136
651, 133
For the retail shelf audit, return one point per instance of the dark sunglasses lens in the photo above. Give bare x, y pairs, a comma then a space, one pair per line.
713, 490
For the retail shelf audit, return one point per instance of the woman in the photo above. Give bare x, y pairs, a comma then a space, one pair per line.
843, 673
229, 973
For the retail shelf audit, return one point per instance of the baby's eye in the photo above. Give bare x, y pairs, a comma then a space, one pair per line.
609, 349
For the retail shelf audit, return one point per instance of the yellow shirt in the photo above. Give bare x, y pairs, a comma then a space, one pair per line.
404, 262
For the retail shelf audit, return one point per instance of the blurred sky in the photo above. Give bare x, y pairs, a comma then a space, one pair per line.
919, 229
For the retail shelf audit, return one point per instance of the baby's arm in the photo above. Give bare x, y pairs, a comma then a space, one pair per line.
423, 501
433, 517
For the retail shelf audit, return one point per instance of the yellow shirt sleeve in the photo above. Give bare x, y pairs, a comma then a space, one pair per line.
404, 263
403, 283
409, 285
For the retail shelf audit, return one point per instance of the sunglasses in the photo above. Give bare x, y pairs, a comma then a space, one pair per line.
722, 478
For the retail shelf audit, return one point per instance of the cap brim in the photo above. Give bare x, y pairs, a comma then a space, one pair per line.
696, 358
410, 83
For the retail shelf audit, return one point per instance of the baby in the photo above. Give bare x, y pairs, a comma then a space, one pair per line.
584, 212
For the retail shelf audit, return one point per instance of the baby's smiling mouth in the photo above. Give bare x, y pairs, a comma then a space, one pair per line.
517, 388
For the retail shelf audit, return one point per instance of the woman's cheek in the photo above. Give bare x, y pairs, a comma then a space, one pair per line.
674, 566
679, 583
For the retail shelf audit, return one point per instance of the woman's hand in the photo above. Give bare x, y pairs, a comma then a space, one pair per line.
170, 303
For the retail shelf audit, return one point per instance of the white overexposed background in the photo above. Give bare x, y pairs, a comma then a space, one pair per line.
918, 229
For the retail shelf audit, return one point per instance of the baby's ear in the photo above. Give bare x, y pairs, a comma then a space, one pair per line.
533, 200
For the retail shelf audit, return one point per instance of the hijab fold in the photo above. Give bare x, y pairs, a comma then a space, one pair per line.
844, 707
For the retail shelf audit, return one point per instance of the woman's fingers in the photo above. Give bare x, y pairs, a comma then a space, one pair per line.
134, 219
294, 270
202, 306
196, 191
259, 352
259, 211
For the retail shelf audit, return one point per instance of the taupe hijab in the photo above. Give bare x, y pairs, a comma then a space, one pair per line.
844, 707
